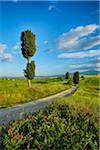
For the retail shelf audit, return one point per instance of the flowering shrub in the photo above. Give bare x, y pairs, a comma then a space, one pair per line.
55, 127
2, 133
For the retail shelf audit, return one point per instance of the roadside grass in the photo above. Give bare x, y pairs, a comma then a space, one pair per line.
15, 91
86, 98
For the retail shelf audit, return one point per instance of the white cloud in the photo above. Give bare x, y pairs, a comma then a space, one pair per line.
2, 47
81, 54
97, 69
98, 58
82, 66
76, 39
90, 65
89, 43
6, 57
16, 46
77, 66
45, 42
98, 65
51, 7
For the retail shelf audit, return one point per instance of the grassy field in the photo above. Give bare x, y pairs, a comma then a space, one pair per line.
15, 91
86, 98
69, 123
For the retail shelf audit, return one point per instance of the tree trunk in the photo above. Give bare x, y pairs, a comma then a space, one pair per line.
29, 60
29, 81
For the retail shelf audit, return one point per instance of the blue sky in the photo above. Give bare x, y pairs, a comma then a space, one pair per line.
66, 36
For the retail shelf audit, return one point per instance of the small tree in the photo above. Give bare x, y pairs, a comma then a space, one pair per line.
76, 77
28, 50
82, 77
67, 75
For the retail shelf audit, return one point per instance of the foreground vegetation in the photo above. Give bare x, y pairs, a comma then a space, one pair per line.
15, 91
70, 123
55, 127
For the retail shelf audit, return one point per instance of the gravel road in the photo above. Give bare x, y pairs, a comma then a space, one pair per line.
19, 111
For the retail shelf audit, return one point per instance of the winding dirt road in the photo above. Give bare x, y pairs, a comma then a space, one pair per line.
19, 111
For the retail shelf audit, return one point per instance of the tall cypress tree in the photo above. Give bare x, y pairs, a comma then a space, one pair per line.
76, 77
28, 48
67, 75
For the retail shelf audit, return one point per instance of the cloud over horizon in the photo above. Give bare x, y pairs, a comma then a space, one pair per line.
2, 47
7, 57
91, 66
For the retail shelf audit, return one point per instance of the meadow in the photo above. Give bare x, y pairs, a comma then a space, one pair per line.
70, 123
16, 91
87, 95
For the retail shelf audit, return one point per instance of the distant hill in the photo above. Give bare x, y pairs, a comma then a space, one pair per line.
52, 76
90, 72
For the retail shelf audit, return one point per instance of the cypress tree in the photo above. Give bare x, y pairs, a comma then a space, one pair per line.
76, 77
28, 49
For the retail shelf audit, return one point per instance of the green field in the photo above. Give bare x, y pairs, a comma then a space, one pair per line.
86, 98
15, 91
70, 123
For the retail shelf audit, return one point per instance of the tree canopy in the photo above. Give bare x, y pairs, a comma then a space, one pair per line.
28, 44
29, 72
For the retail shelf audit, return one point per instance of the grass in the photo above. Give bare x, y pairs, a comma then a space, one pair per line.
86, 98
15, 91
69, 123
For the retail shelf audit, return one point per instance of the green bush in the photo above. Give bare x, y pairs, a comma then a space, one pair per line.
69, 81
55, 127
82, 77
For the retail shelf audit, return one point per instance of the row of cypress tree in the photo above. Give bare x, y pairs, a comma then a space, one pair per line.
75, 77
